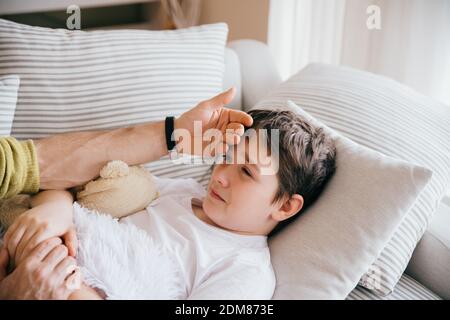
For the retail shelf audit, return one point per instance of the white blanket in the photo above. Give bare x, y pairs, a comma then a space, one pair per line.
122, 260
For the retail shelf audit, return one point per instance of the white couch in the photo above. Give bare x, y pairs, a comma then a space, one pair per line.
250, 67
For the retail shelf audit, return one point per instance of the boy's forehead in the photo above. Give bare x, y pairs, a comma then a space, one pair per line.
254, 149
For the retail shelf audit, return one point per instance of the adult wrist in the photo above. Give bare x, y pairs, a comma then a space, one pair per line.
169, 127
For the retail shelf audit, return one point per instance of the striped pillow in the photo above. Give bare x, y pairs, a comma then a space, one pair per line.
9, 85
388, 117
77, 80
335, 240
407, 288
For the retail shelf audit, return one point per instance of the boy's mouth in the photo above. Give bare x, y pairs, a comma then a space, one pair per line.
215, 195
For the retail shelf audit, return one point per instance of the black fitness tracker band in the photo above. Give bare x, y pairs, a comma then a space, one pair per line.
169, 127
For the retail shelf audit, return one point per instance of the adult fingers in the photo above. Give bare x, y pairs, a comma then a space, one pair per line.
64, 288
215, 148
74, 281
233, 133
4, 259
64, 269
71, 241
12, 228
56, 255
240, 117
42, 250
14, 240
23, 244
221, 99
37, 238
235, 127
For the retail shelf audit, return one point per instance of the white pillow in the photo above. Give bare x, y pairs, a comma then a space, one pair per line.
388, 117
324, 253
77, 80
9, 85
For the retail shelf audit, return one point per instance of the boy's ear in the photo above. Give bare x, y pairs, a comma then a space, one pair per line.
288, 208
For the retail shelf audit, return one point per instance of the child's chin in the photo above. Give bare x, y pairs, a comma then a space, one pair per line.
210, 208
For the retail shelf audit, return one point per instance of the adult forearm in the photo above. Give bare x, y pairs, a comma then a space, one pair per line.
71, 159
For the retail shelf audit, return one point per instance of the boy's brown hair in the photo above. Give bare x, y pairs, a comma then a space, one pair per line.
306, 156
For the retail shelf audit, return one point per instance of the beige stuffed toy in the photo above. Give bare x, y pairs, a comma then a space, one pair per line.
119, 191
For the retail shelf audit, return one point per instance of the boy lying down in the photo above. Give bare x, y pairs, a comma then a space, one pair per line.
218, 237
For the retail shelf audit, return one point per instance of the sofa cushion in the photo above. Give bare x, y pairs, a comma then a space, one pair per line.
407, 288
430, 263
325, 251
77, 80
388, 117
9, 85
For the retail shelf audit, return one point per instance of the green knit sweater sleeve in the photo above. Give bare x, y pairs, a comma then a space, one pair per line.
19, 169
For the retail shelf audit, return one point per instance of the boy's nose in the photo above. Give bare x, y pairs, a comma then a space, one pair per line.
222, 181
220, 178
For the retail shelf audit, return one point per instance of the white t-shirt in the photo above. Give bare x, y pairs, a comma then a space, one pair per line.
215, 263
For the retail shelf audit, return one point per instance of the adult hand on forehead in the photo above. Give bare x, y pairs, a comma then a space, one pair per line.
212, 114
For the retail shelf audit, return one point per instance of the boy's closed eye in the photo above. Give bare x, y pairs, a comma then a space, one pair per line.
247, 171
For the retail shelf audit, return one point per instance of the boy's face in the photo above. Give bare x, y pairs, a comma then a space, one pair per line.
240, 193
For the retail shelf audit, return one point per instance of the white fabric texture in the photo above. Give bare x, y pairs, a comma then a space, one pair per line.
88, 80
324, 253
390, 118
215, 263
384, 37
9, 85
122, 261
